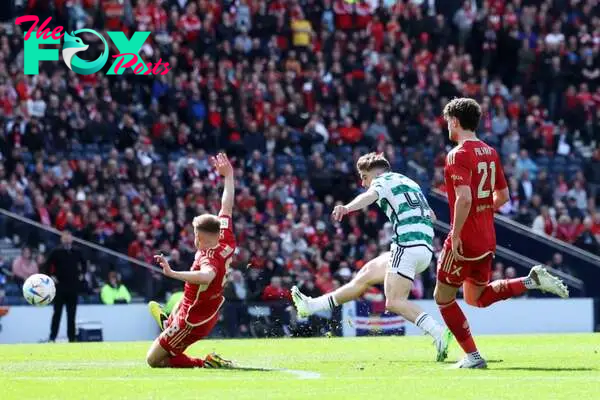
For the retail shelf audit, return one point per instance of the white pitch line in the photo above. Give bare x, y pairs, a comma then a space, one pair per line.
301, 374
31, 365
337, 378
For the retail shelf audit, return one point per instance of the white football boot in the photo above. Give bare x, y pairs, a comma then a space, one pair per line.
469, 362
547, 282
300, 302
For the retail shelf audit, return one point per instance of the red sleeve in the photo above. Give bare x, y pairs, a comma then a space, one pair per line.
500, 179
458, 165
227, 235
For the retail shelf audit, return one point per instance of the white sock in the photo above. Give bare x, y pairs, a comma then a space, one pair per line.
529, 283
429, 325
321, 303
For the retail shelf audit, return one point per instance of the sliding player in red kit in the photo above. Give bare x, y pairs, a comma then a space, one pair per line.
476, 189
198, 311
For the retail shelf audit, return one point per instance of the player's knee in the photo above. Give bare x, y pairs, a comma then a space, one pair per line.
472, 300
153, 361
441, 297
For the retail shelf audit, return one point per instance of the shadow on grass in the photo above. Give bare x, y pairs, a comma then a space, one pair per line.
443, 362
548, 369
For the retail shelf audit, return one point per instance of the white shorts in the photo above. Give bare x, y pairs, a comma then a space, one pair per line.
409, 261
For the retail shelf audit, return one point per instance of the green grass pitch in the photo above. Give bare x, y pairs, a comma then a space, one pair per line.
520, 367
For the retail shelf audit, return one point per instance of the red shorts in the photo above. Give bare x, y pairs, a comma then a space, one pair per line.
454, 273
178, 335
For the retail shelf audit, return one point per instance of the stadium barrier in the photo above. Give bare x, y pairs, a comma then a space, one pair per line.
519, 316
132, 322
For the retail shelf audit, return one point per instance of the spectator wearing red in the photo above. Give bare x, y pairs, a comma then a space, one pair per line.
349, 132
275, 291
566, 229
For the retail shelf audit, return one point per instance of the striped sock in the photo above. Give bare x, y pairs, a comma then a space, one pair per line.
321, 303
429, 325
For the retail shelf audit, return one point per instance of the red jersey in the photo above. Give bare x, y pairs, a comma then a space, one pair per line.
200, 303
477, 165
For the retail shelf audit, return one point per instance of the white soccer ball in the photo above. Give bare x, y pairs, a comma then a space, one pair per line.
39, 290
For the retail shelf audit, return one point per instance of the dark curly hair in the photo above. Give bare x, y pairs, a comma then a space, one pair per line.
466, 111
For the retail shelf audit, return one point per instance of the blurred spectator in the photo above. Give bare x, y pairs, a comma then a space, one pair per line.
235, 313
24, 265
592, 175
275, 291
91, 283
558, 264
544, 223
579, 195
566, 229
586, 240
114, 291
498, 272
526, 165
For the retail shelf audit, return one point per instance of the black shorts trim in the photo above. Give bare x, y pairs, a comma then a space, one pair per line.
405, 276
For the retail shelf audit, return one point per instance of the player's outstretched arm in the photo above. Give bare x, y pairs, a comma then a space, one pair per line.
361, 201
204, 276
223, 166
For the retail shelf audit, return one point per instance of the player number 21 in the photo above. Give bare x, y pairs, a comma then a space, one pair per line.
483, 168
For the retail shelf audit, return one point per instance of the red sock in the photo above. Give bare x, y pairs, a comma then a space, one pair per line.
458, 325
183, 361
501, 290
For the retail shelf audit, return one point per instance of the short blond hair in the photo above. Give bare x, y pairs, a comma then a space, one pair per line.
371, 161
207, 223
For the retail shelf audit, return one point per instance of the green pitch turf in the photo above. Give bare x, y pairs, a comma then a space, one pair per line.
520, 367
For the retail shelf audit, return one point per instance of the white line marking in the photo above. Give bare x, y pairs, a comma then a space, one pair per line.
211, 377
301, 374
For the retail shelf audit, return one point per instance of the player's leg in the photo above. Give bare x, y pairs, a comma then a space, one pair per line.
450, 277
404, 263
370, 274
167, 350
480, 293
157, 357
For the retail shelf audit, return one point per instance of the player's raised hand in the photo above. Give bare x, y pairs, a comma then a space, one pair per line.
164, 264
339, 212
222, 165
457, 247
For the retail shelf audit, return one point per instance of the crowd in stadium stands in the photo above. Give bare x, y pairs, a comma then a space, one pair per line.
295, 91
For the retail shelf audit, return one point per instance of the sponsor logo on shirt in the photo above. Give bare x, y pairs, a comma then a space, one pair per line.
224, 223
226, 251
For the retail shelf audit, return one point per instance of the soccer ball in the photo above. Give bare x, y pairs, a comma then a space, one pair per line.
39, 290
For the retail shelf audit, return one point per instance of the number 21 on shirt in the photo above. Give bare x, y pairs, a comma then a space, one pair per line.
486, 170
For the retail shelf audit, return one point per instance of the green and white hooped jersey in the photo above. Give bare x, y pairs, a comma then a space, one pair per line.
403, 202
